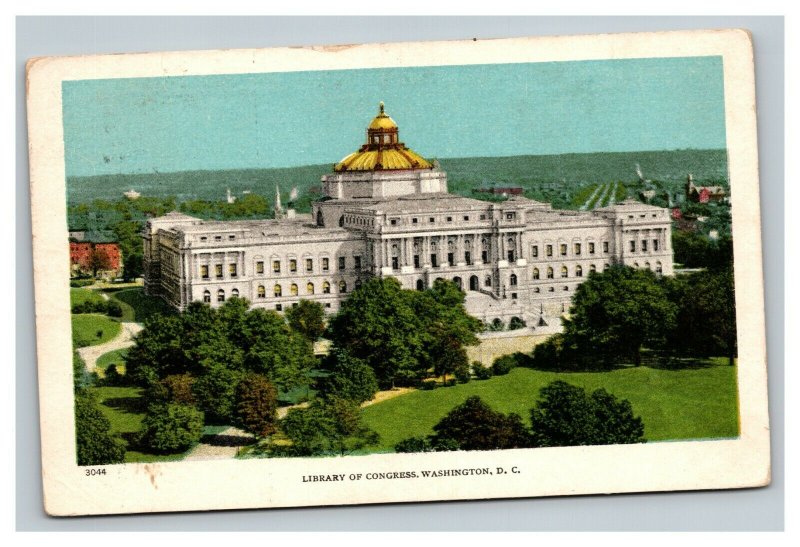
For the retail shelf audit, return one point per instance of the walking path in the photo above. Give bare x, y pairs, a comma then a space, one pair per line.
222, 446
124, 339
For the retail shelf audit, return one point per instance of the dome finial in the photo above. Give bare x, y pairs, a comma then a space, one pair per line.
380, 105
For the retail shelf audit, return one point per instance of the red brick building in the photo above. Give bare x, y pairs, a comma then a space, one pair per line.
95, 256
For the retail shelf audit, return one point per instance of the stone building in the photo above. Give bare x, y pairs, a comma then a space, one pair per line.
385, 211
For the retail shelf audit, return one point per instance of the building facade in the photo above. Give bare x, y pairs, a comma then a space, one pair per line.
95, 254
385, 211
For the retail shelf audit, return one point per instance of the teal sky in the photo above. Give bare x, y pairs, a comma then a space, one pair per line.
137, 125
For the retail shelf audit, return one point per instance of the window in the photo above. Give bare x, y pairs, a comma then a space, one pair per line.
578, 271
549, 272
309, 288
416, 261
510, 216
203, 238
293, 289
483, 217
325, 265
564, 271
536, 273
326, 287
605, 246
659, 269
655, 245
434, 260
342, 264
204, 272
277, 291
276, 266
414, 220
577, 248
342, 287
231, 237
309, 264
218, 270
357, 262
484, 256
395, 263
232, 269
262, 292
536, 289
551, 289
633, 246
592, 268
259, 267
393, 222
513, 280
217, 238
535, 251
644, 245
606, 266
278, 307
451, 259
468, 258
235, 293
549, 250
220, 296
466, 217
358, 283
292, 265
327, 304
647, 265
487, 282
431, 219
207, 296
563, 249
513, 296
510, 256
591, 248
449, 219
566, 288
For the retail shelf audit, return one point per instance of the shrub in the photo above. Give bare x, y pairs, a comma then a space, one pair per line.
113, 377
503, 365
171, 428
462, 373
78, 283
179, 389
256, 405
473, 425
566, 415
481, 372
113, 308
414, 444
349, 377
94, 442
516, 323
496, 325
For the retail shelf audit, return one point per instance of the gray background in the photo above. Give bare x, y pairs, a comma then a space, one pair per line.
754, 509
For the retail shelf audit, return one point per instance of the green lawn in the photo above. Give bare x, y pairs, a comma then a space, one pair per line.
689, 403
124, 408
137, 306
87, 326
115, 357
79, 296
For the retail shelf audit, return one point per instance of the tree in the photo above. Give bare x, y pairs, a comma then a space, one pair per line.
215, 392
348, 377
473, 425
307, 318
98, 261
179, 389
332, 426
256, 405
95, 444
171, 428
566, 415
516, 323
616, 312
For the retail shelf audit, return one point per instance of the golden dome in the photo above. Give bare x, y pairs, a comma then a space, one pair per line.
383, 150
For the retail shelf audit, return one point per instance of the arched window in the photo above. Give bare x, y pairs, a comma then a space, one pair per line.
342, 287
647, 265
262, 292
358, 283
513, 280
578, 271
277, 291
235, 293
606, 266
636, 265
592, 268
420, 285
536, 273
310, 288
220, 295
659, 270
326, 287
207, 296
564, 271
293, 289
341, 221
549, 272
320, 220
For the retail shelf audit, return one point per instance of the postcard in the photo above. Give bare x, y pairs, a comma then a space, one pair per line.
398, 272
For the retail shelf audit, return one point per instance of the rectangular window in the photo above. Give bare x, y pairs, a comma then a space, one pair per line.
342, 264
357, 261
395, 263
605, 246
644, 245
309, 264
633, 246
563, 248
203, 238
510, 256
217, 238
549, 250
483, 217
449, 219
292, 265
591, 248
276, 266
325, 265
513, 296
232, 269
259, 267
434, 261
451, 259
485, 256
278, 307
468, 258
535, 251
231, 237
655, 245
577, 248
218, 270
416, 261
393, 222
431, 219
510, 216
466, 217
204, 272
414, 220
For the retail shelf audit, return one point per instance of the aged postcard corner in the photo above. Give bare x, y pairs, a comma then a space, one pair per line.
252, 290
